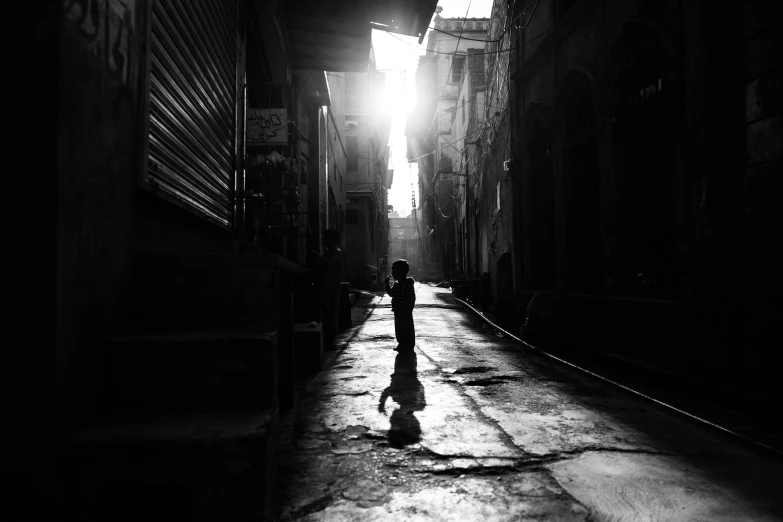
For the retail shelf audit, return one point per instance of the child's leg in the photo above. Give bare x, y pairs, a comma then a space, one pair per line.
398, 328
407, 334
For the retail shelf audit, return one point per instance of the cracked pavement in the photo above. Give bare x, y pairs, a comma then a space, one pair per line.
472, 427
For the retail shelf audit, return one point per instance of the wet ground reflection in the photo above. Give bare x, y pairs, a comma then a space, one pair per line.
406, 390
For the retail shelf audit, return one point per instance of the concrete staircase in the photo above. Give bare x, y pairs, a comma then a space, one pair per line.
430, 273
191, 415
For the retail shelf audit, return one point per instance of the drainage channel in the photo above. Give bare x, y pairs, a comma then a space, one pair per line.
644, 396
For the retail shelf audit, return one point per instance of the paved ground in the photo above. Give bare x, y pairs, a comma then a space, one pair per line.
472, 428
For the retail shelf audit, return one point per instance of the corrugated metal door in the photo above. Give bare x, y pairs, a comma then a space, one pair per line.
192, 104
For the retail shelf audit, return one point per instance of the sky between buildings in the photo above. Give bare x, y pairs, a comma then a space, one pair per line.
398, 56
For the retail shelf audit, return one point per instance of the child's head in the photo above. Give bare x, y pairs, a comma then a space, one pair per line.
400, 269
331, 236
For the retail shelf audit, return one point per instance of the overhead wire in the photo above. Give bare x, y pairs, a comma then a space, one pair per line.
441, 52
448, 78
495, 126
437, 193
446, 145
452, 34
459, 37
451, 62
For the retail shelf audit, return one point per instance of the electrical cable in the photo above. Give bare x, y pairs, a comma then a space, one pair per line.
448, 77
451, 62
452, 34
441, 148
456, 47
501, 36
497, 127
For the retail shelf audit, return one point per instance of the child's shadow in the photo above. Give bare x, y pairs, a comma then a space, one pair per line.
406, 390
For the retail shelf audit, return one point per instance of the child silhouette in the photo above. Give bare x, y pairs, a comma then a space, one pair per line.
403, 299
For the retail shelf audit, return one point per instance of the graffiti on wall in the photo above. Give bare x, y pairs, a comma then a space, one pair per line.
107, 26
268, 126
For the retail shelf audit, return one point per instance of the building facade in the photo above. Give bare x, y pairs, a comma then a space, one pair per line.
368, 179
189, 158
439, 80
625, 175
404, 242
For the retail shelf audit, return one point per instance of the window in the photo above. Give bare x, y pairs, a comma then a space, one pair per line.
456, 68
351, 153
352, 216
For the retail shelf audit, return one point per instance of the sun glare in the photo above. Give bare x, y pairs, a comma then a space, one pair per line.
395, 99
398, 56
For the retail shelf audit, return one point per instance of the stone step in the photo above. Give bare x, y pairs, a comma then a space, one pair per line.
193, 371
199, 467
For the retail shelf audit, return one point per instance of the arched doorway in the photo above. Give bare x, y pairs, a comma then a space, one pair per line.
644, 177
582, 196
542, 194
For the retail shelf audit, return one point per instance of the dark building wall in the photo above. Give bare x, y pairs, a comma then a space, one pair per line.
495, 222
361, 249
104, 219
98, 149
679, 198
30, 228
762, 188
565, 95
78, 215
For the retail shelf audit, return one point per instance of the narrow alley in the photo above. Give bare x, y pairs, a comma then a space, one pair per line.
472, 427
208, 199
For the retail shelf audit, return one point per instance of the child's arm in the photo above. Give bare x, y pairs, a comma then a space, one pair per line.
410, 294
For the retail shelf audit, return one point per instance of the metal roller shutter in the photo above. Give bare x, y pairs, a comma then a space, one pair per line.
192, 104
